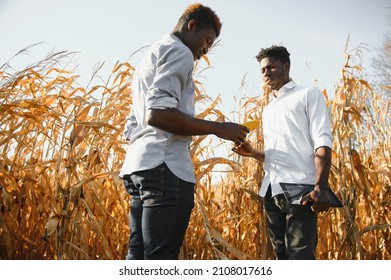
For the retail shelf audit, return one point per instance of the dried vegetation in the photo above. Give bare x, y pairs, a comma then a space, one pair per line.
61, 149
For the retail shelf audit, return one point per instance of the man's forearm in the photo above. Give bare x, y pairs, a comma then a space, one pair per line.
322, 165
259, 155
176, 122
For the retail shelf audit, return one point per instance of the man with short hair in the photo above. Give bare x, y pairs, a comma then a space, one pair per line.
297, 150
158, 171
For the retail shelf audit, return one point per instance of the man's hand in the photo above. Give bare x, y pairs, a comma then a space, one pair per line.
232, 131
319, 199
245, 149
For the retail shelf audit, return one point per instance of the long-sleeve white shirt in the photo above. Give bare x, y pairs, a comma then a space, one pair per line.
163, 79
295, 124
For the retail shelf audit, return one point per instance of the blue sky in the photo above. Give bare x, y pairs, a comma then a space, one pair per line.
314, 32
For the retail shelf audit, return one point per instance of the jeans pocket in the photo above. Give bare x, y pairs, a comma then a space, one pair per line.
150, 184
129, 186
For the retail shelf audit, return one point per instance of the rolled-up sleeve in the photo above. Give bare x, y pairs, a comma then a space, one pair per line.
320, 129
172, 72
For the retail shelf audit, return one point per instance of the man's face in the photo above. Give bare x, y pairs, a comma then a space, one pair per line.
274, 73
199, 40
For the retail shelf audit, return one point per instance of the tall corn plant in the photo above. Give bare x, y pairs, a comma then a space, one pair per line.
61, 149
360, 170
60, 152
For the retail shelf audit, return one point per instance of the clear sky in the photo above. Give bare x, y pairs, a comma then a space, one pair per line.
314, 32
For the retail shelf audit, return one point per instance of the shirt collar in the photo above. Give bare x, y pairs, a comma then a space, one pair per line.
291, 84
174, 37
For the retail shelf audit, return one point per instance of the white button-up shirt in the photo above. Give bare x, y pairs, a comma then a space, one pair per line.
164, 79
295, 124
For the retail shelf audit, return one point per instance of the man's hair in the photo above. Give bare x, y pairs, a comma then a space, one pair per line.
277, 52
204, 16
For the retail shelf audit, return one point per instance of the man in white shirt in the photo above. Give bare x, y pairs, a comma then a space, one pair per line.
297, 149
158, 171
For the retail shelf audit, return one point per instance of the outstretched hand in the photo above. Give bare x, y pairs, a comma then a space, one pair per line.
244, 149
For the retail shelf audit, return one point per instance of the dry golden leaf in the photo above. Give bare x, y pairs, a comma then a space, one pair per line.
251, 125
205, 57
51, 225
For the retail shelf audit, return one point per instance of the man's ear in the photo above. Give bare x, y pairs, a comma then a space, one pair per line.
191, 25
286, 68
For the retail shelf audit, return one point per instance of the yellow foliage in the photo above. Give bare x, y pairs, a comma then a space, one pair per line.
61, 149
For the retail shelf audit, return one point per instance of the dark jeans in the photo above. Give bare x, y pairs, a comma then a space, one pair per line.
292, 228
160, 210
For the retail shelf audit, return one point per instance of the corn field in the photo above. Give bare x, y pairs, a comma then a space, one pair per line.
61, 149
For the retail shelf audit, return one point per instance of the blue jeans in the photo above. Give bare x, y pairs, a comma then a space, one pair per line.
160, 210
292, 228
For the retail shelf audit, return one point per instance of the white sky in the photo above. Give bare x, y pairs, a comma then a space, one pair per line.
314, 32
